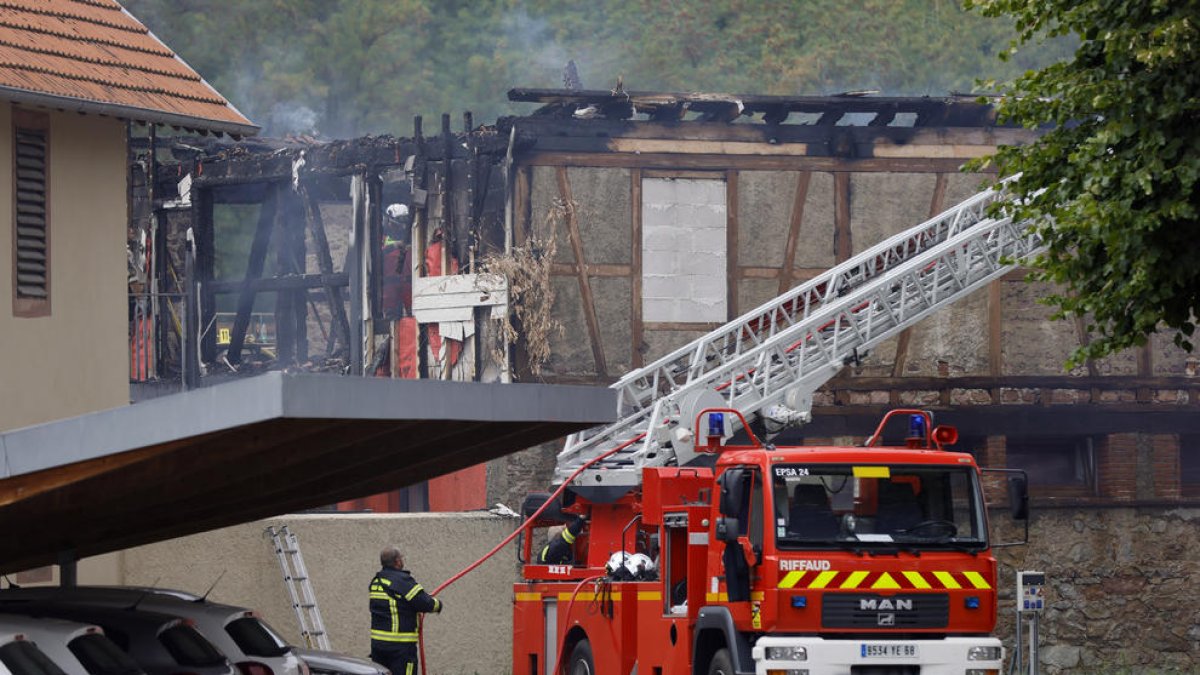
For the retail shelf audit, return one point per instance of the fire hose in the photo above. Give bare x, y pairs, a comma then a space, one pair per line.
496, 549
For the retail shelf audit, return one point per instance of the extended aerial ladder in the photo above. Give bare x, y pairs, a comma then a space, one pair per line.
770, 361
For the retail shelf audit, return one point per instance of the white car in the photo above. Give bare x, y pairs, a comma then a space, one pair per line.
241, 634
77, 648
19, 656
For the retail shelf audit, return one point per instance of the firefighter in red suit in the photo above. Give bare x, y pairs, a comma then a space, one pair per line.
396, 598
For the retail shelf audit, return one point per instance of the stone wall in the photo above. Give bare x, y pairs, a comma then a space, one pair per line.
1122, 583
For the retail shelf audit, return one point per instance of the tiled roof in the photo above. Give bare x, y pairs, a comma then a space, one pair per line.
93, 56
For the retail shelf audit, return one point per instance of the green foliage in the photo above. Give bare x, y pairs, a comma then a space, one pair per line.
348, 67
1113, 183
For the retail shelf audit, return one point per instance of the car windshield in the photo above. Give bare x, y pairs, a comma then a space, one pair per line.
913, 506
24, 658
100, 656
256, 638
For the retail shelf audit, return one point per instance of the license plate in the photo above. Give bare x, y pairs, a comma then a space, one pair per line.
889, 651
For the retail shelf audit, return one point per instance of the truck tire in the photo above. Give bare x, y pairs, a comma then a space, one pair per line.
721, 664
581, 662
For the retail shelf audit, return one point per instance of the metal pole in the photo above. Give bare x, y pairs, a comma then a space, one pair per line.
1033, 644
1015, 664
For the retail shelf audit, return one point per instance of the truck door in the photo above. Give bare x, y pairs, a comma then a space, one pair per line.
741, 528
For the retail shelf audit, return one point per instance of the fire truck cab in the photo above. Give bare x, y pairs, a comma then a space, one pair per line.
865, 560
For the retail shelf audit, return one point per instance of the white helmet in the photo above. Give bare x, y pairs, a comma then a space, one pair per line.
397, 210
616, 562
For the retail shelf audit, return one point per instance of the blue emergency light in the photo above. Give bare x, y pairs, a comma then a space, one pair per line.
916, 426
972, 602
716, 424
799, 601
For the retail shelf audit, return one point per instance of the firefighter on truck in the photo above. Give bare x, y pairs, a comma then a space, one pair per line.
775, 561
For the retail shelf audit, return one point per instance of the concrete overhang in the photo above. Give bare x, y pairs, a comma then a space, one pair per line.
254, 448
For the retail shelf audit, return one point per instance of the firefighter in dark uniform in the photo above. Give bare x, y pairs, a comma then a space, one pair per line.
396, 598
561, 549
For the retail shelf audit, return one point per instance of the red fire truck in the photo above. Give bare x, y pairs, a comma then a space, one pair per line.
710, 553
776, 560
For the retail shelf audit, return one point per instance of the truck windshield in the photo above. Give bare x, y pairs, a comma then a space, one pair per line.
913, 506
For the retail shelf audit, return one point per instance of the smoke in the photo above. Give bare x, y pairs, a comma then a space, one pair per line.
291, 117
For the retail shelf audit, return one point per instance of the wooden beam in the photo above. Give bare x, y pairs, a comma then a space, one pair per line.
671, 162
731, 244
789, 250
843, 244
1145, 368
592, 269
289, 282
333, 292
254, 270
681, 325
585, 285
636, 334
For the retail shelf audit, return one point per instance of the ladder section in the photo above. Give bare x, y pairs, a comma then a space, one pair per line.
299, 586
795, 343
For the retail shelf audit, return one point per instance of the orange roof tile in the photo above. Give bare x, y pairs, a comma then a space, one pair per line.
93, 56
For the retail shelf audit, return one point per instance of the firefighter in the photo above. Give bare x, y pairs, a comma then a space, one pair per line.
561, 549
396, 598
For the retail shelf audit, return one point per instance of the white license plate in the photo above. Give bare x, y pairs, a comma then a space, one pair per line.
889, 651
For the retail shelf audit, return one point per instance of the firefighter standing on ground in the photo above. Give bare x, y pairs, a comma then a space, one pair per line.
396, 598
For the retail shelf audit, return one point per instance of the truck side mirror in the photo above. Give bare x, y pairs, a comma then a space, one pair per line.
727, 529
1018, 497
732, 484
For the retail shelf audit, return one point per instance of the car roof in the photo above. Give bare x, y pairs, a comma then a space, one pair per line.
165, 600
36, 627
116, 616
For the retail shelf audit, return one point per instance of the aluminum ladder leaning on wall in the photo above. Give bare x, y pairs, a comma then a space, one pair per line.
784, 350
299, 586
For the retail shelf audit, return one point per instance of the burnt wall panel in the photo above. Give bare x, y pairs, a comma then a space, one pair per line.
613, 309
1167, 359
959, 186
814, 250
952, 341
545, 202
883, 204
662, 342
1031, 344
754, 292
765, 201
570, 350
604, 213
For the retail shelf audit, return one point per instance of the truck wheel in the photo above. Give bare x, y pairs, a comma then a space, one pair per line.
581, 662
721, 664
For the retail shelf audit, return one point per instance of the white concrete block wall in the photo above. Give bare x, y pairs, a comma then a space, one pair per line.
683, 250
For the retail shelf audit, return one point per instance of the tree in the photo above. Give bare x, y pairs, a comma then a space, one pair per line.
1112, 184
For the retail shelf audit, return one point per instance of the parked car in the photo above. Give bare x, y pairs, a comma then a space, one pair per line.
77, 648
239, 633
322, 662
20, 656
161, 644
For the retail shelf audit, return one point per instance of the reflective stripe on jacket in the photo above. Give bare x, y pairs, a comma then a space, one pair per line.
395, 599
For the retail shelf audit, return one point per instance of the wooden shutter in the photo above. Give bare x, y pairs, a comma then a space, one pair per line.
31, 215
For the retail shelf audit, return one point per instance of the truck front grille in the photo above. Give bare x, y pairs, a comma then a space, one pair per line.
868, 610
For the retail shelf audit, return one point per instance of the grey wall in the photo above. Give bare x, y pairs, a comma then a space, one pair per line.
472, 635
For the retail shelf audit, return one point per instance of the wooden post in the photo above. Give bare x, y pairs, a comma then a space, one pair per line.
254, 269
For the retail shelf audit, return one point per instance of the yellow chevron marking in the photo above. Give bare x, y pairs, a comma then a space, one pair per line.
855, 579
916, 579
885, 580
823, 579
526, 597
792, 578
649, 595
947, 579
872, 472
977, 579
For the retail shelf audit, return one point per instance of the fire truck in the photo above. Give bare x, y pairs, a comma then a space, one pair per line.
700, 547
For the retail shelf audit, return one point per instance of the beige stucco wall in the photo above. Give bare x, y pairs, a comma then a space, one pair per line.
75, 360
341, 551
